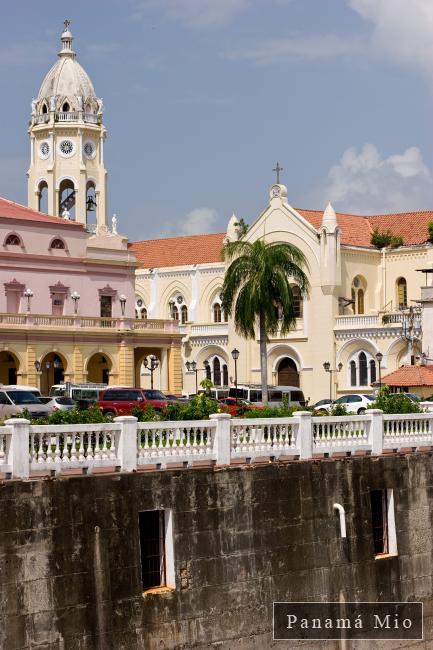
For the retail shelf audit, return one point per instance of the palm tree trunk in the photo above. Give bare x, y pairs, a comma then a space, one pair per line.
263, 357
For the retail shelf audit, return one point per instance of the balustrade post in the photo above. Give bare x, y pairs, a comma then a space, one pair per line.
375, 436
18, 456
304, 436
222, 437
126, 443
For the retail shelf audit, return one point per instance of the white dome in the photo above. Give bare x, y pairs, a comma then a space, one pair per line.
67, 81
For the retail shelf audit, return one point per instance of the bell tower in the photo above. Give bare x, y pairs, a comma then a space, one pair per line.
67, 176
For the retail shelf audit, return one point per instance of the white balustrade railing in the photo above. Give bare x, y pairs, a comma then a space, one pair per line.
264, 437
413, 430
168, 442
342, 434
127, 445
66, 116
48, 320
60, 447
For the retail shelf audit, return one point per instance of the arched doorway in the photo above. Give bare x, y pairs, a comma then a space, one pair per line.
53, 369
287, 373
98, 369
8, 368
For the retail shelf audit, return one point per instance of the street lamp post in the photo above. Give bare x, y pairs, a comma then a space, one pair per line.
327, 368
379, 357
235, 357
75, 297
151, 363
191, 366
28, 293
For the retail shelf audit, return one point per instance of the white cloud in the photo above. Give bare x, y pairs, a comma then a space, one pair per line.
365, 183
199, 220
196, 14
402, 30
296, 47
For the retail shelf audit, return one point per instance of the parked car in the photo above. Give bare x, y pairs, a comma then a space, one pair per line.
16, 401
324, 404
31, 389
58, 403
236, 406
356, 403
121, 401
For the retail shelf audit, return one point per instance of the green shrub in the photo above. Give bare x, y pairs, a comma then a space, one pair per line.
198, 408
270, 412
385, 239
338, 410
146, 414
393, 403
92, 415
430, 231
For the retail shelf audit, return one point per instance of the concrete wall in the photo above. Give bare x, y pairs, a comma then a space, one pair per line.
243, 538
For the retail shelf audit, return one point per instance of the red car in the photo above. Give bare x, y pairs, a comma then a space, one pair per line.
237, 406
121, 401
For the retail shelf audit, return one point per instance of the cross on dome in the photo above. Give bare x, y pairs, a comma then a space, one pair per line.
278, 169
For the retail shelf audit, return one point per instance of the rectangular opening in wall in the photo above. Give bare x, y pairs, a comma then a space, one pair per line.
156, 549
383, 522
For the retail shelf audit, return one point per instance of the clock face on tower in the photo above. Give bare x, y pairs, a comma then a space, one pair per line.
66, 148
44, 150
89, 149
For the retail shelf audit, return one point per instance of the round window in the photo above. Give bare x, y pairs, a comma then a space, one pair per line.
44, 150
89, 149
139, 302
66, 147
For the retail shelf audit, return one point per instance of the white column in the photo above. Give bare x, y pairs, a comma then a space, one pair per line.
126, 443
304, 436
375, 435
18, 449
153, 305
164, 370
221, 440
195, 295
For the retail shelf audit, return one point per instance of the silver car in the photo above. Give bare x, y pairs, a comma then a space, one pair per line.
58, 403
15, 402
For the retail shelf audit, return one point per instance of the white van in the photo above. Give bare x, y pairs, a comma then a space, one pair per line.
253, 393
30, 389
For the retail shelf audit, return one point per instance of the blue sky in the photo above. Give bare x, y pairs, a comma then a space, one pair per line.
202, 97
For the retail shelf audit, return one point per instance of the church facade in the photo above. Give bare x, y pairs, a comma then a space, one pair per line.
357, 317
67, 309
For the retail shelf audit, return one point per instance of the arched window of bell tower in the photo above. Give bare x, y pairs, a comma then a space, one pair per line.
44, 108
67, 196
66, 108
43, 197
91, 205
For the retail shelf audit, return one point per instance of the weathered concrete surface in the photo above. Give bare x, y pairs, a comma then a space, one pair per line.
244, 537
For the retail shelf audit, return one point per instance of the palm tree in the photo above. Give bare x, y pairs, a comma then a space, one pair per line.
257, 286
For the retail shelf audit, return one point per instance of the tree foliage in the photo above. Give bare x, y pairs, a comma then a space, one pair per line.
385, 239
391, 403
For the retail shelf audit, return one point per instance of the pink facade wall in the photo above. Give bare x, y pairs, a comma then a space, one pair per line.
37, 267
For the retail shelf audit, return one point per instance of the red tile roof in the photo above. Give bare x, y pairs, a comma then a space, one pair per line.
179, 251
356, 230
12, 210
410, 376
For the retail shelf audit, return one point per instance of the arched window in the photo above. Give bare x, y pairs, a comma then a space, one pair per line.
359, 287
140, 308
66, 108
44, 109
58, 244
12, 240
372, 371
363, 369
352, 373
43, 197
216, 372
297, 301
361, 301
174, 312
184, 314
91, 205
217, 313
67, 198
225, 375
401, 293
208, 371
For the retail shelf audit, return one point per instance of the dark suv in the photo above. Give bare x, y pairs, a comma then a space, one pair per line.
121, 401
